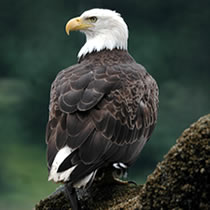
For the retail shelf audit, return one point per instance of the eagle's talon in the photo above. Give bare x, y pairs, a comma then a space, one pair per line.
132, 183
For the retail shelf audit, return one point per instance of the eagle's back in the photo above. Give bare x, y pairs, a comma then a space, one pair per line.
102, 111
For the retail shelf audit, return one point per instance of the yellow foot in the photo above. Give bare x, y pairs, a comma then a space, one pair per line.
119, 181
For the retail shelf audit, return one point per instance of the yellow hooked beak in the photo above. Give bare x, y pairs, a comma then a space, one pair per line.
76, 24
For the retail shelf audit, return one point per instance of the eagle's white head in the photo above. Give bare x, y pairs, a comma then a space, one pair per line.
104, 29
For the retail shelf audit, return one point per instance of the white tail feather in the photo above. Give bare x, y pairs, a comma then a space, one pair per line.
59, 158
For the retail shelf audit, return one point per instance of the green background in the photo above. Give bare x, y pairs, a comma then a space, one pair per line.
170, 38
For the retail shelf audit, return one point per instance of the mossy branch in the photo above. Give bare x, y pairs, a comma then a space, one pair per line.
180, 181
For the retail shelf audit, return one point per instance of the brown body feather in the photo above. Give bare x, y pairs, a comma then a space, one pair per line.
104, 108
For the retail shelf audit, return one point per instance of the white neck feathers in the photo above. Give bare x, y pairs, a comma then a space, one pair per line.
108, 34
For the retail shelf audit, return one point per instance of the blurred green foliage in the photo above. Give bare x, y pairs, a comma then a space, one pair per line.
170, 38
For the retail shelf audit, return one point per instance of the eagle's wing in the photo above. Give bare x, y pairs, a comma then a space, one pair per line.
104, 114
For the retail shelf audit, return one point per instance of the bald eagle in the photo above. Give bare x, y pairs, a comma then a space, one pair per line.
103, 109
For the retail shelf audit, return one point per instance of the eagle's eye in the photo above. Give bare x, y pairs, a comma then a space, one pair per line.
92, 19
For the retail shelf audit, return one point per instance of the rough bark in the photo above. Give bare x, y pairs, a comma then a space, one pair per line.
180, 181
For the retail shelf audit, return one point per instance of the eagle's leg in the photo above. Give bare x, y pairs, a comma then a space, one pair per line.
72, 196
121, 173
113, 176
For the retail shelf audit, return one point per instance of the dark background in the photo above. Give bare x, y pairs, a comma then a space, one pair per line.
170, 38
